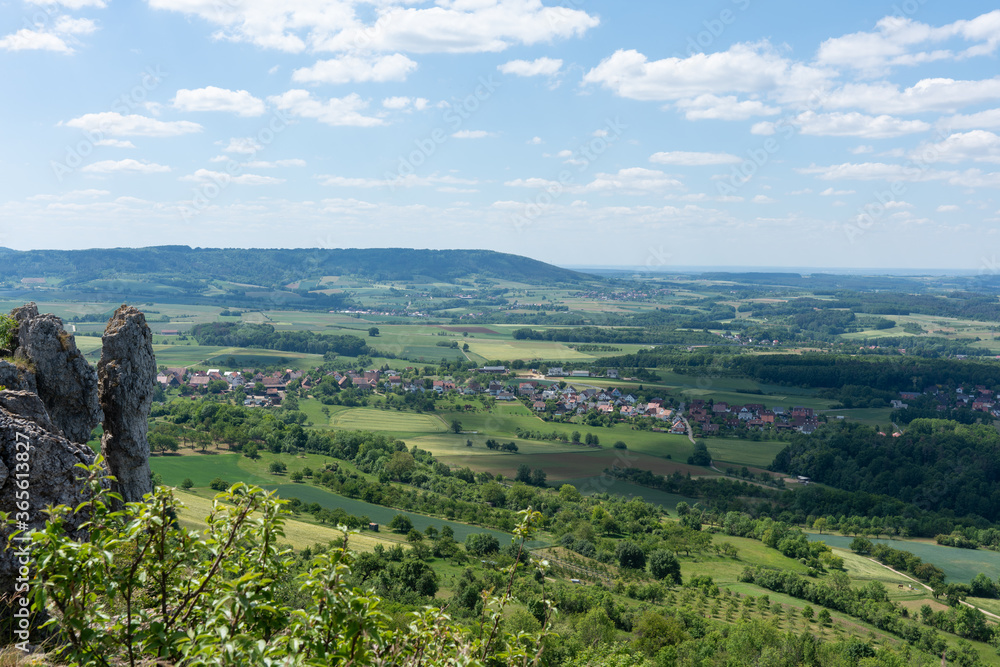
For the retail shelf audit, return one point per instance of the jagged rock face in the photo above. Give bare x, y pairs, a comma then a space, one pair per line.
127, 377
64, 380
26, 405
51, 475
16, 378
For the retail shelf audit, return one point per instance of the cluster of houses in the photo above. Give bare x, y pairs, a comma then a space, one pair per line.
274, 384
977, 399
715, 417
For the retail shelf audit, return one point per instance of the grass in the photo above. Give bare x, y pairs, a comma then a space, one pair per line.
371, 419
960, 565
743, 452
298, 534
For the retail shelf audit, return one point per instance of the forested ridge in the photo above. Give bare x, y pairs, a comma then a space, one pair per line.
273, 267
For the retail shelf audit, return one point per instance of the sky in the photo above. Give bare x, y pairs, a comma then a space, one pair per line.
657, 135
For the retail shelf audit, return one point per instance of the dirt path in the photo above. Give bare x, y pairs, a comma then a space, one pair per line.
920, 583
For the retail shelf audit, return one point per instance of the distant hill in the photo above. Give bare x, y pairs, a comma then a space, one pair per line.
273, 267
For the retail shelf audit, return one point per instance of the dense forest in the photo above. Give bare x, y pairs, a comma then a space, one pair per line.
263, 336
935, 465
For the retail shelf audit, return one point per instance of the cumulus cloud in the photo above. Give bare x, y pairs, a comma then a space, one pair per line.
537, 67
689, 158
347, 69
976, 146
48, 38
334, 25
336, 111
204, 175
900, 41
854, 124
128, 165
743, 68
212, 98
133, 125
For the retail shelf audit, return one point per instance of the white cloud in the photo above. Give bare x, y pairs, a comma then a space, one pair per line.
221, 177
534, 141
405, 103
713, 107
336, 111
88, 193
452, 26
830, 192
34, 40
854, 124
861, 150
947, 208
988, 119
633, 180
346, 69
688, 158
977, 146
899, 41
212, 98
128, 165
264, 164
763, 199
939, 94
472, 134
133, 125
241, 145
764, 128
49, 38
538, 67
409, 181
743, 68
115, 143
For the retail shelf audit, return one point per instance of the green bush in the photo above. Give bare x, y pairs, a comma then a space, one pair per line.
144, 590
8, 325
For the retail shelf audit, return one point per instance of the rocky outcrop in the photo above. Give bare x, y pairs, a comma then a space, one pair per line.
36, 463
127, 378
16, 377
64, 380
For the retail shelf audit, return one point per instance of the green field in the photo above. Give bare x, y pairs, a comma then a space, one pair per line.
743, 452
373, 419
960, 565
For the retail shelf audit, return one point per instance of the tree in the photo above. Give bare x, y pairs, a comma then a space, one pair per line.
456, 426
482, 544
401, 524
663, 564
538, 477
983, 587
523, 474
276, 467
630, 555
575, 437
373, 331
569, 493
163, 442
290, 402
401, 465
218, 484
620, 445
807, 612
820, 524
187, 483
297, 476
861, 545
252, 453
824, 617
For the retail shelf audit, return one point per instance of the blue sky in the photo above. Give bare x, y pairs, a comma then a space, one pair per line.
646, 134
